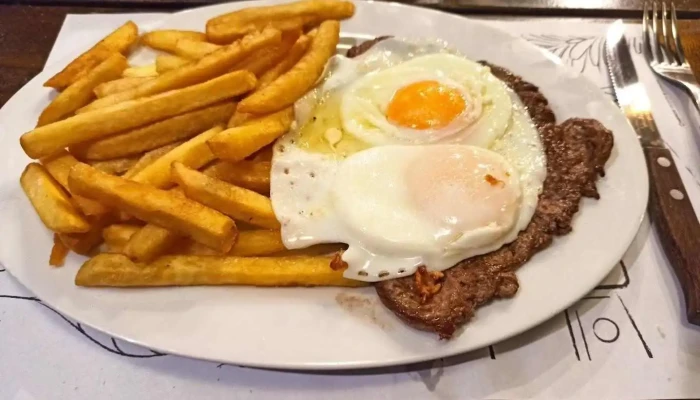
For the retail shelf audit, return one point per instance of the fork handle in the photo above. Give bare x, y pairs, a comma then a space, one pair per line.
678, 228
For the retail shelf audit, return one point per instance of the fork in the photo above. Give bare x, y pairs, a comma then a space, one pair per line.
664, 59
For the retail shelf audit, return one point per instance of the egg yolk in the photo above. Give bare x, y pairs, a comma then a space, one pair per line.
425, 104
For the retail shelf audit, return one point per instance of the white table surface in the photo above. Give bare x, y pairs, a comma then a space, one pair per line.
626, 340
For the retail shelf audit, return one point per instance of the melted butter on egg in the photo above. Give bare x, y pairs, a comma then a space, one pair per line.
320, 133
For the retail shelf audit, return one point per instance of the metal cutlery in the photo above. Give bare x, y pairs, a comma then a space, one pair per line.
670, 209
664, 51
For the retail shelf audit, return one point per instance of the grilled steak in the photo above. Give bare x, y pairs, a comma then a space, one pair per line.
576, 152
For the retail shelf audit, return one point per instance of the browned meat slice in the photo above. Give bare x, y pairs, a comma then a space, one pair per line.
355, 51
576, 152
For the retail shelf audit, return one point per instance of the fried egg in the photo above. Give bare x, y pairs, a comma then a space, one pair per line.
410, 154
428, 99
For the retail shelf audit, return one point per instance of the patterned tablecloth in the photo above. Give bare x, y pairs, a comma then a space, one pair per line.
624, 340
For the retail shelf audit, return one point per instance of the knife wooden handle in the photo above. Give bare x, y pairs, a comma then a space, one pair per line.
679, 231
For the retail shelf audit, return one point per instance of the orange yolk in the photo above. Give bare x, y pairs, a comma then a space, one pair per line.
425, 104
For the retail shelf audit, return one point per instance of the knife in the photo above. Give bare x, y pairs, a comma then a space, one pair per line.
669, 207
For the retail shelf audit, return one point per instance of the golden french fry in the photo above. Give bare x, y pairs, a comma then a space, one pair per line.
117, 166
238, 119
253, 175
208, 67
49, 139
149, 158
197, 249
143, 71
59, 167
167, 62
116, 270
118, 85
166, 40
236, 202
85, 243
193, 49
155, 206
220, 34
149, 137
51, 202
265, 58
253, 243
59, 251
80, 92
194, 153
228, 27
118, 41
237, 143
150, 242
290, 59
257, 243
264, 154
288, 88
119, 234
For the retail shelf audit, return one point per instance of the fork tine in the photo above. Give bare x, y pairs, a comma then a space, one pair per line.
669, 52
676, 36
666, 45
645, 34
655, 45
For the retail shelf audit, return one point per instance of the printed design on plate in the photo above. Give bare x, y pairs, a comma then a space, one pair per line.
580, 52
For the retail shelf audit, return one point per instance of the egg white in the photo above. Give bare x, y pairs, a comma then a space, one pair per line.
486, 117
302, 179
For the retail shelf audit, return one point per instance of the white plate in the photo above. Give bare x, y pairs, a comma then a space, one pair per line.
329, 328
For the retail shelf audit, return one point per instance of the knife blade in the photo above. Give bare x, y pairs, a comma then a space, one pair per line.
670, 209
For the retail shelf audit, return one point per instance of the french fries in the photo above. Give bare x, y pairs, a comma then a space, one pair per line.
157, 124
51, 202
263, 59
117, 166
149, 137
194, 49
290, 59
167, 62
143, 71
118, 41
80, 92
237, 143
85, 243
257, 243
118, 85
208, 67
156, 206
286, 89
264, 154
228, 27
253, 175
194, 153
118, 235
59, 167
116, 270
166, 40
49, 139
236, 202
150, 242
149, 158
59, 251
